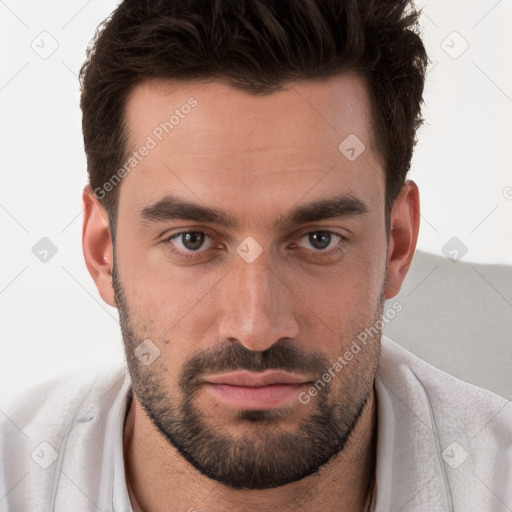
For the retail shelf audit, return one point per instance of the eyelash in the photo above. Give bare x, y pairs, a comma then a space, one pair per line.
318, 253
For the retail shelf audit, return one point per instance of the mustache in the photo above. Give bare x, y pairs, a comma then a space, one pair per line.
283, 355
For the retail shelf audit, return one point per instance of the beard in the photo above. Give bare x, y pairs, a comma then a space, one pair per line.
268, 456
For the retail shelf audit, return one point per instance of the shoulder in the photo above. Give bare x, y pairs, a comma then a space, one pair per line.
406, 373
455, 437
41, 432
59, 400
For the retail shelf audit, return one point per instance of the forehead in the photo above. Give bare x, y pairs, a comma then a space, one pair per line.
339, 105
208, 141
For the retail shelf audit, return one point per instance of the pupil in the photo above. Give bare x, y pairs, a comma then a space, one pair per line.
320, 239
193, 240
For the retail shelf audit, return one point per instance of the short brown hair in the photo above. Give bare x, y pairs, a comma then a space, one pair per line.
255, 46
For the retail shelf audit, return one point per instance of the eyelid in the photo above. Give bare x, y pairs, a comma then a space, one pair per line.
330, 231
169, 233
170, 239
341, 239
308, 231
341, 232
338, 230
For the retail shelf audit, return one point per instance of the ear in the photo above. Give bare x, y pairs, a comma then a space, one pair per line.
97, 245
405, 225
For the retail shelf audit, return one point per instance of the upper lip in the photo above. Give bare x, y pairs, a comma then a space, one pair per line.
253, 379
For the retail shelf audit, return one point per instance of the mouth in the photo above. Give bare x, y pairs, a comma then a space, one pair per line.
255, 391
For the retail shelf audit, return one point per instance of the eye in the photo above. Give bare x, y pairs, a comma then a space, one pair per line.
190, 240
188, 244
323, 242
194, 243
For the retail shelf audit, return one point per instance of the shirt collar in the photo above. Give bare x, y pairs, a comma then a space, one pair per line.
410, 473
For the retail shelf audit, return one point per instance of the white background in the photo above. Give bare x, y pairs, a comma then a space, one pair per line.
52, 318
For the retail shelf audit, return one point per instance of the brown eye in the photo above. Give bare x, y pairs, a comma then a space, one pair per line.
322, 240
189, 244
192, 240
323, 245
319, 239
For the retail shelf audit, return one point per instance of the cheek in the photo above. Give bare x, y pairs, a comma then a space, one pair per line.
338, 304
172, 302
354, 283
157, 288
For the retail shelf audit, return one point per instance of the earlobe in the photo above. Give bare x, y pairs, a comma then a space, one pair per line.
405, 223
97, 245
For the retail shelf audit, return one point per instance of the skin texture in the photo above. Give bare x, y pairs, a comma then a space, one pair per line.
293, 308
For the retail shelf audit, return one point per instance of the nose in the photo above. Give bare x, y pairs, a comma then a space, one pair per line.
256, 305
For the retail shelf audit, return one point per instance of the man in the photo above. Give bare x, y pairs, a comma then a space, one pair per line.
248, 214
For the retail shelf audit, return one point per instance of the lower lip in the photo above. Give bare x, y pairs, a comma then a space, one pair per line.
251, 398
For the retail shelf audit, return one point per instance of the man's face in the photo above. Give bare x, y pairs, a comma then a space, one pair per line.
268, 292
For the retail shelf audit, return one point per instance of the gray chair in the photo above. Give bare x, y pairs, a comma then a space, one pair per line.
458, 317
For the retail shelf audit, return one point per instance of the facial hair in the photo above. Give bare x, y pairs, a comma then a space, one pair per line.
270, 456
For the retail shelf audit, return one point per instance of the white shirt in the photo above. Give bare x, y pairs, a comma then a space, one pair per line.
443, 444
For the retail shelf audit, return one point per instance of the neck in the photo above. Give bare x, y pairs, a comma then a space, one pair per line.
159, 479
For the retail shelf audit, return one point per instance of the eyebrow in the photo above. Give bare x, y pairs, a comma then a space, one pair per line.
174, 208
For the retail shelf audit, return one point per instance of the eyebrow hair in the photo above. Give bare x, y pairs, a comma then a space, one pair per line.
174, 208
